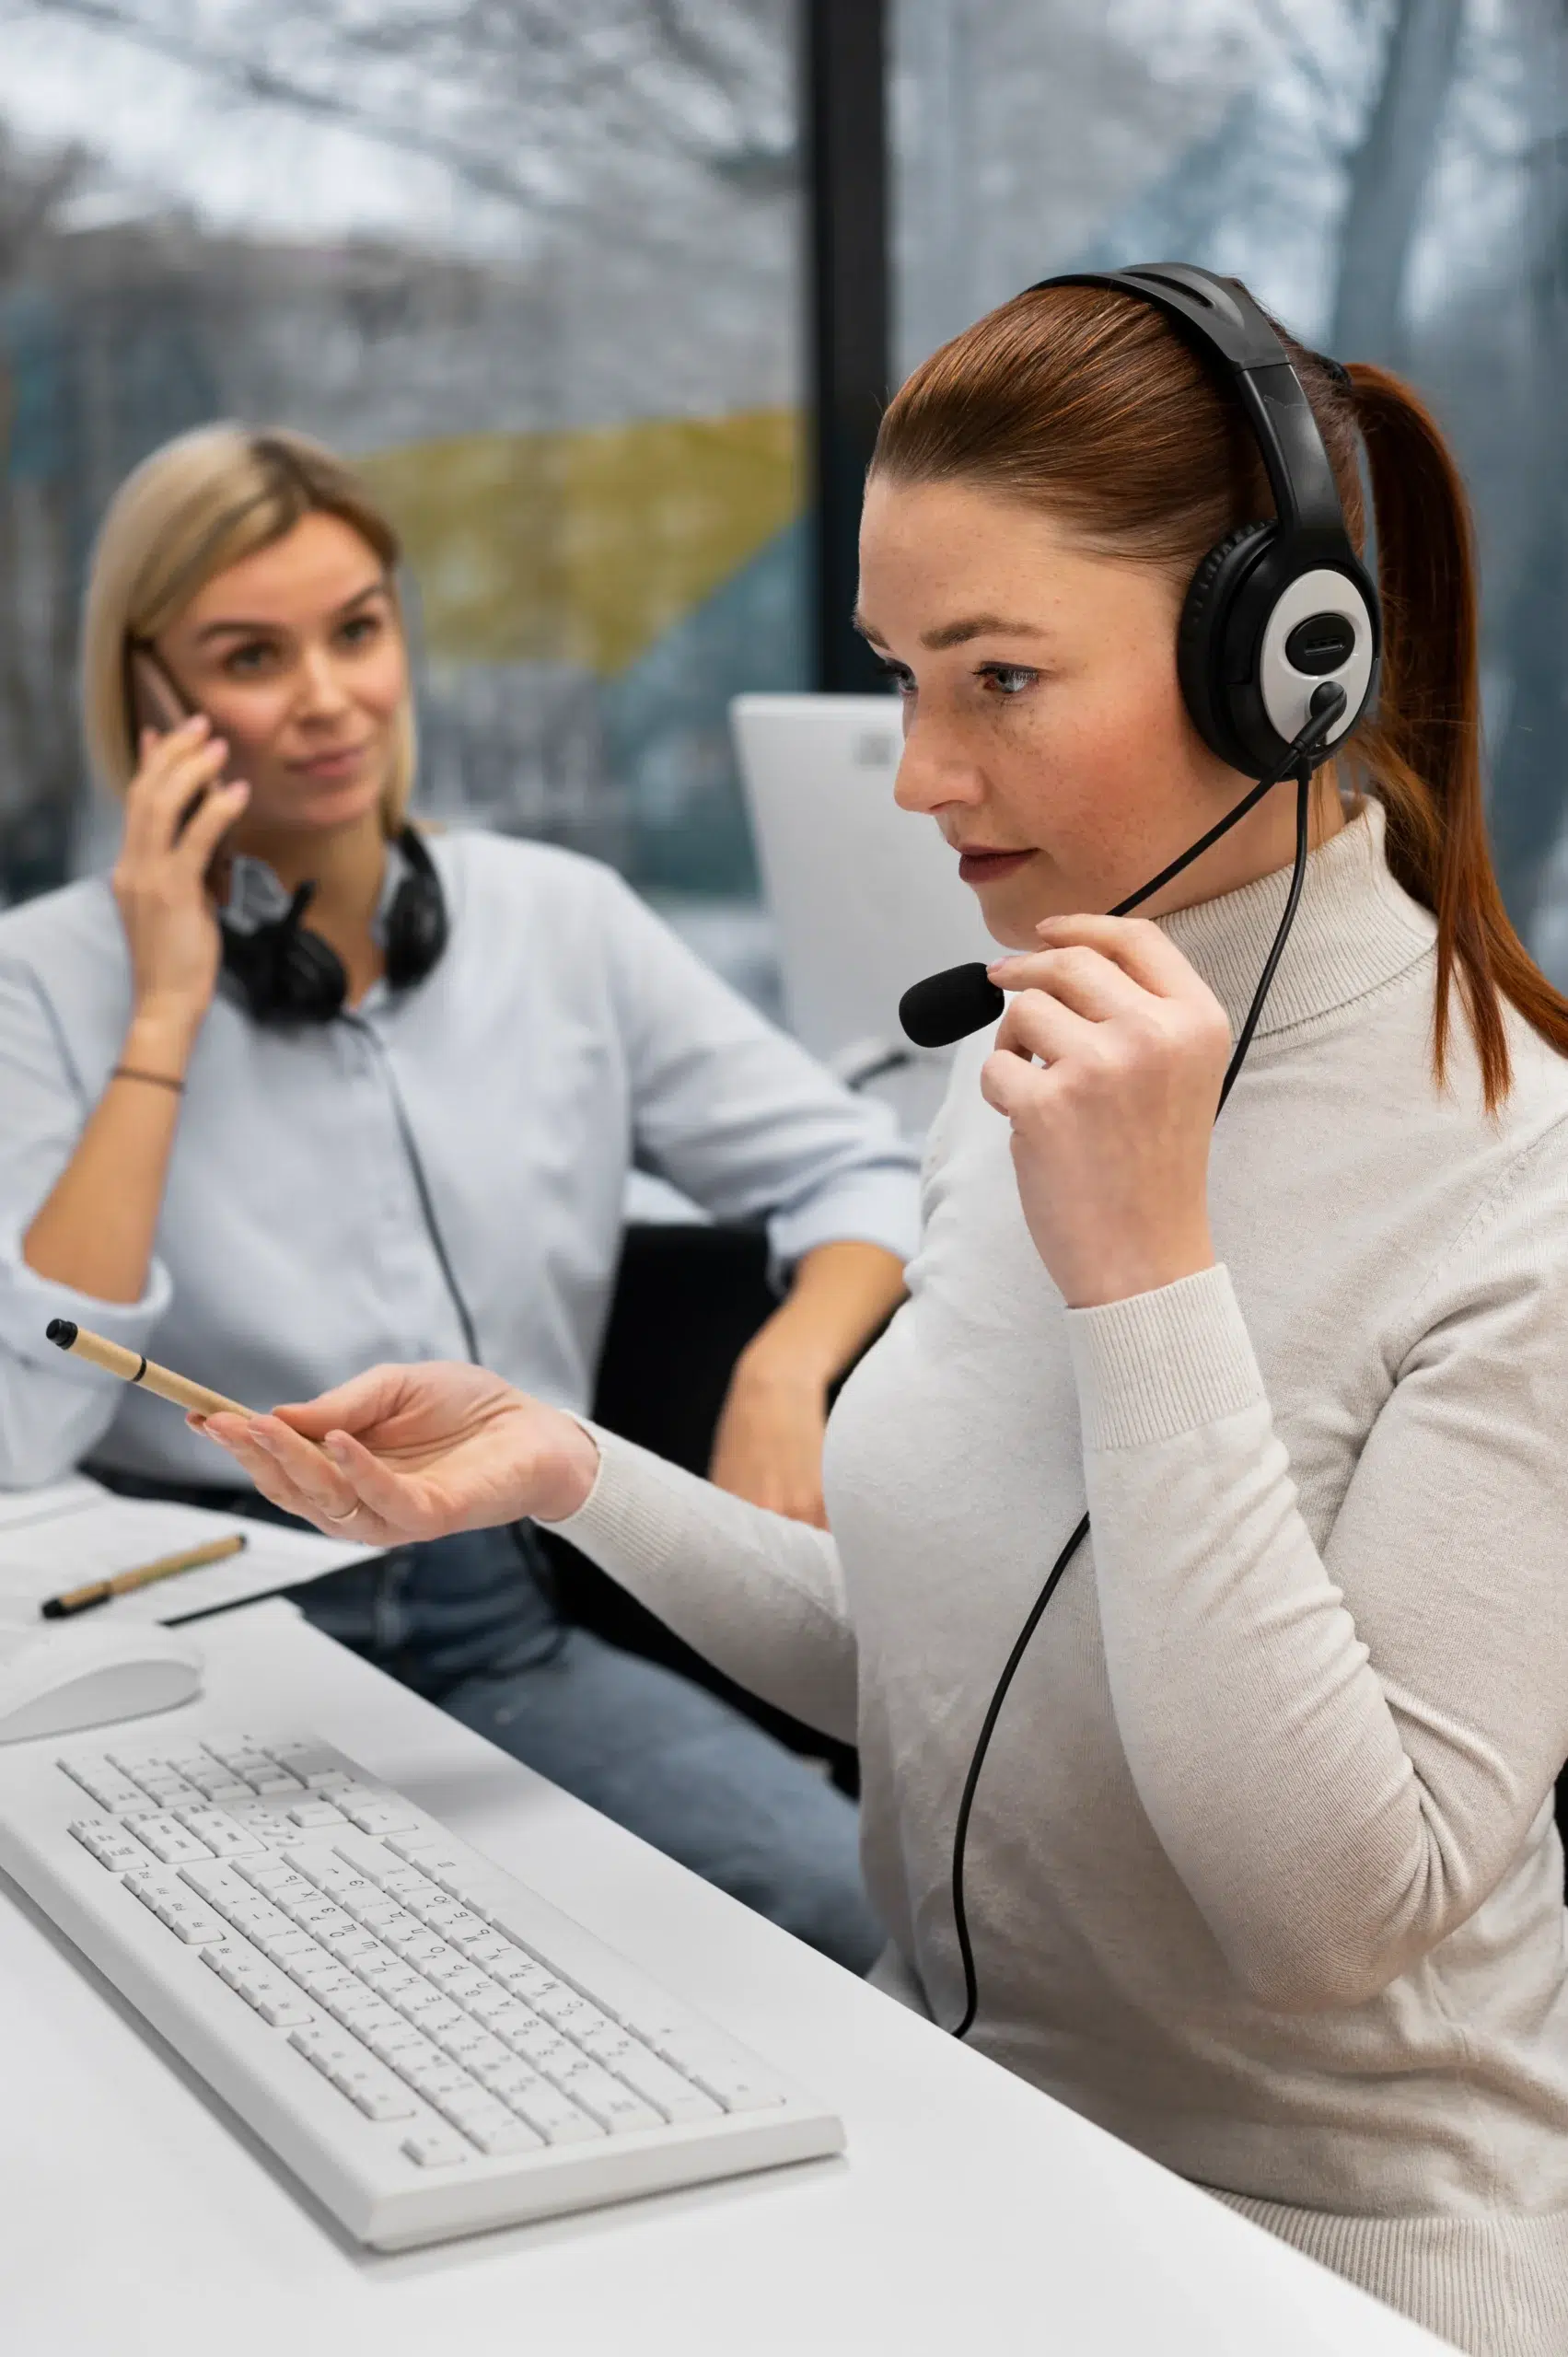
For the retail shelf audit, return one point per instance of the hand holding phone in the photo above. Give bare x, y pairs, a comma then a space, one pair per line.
179, 807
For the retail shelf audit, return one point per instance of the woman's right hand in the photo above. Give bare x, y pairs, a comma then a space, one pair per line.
408, 1452
160, 878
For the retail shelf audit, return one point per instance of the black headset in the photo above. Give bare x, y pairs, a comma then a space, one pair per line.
1277, 654
1281, 630
285, 974
1276, 609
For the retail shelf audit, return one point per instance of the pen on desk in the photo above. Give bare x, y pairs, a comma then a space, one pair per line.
131, 1366
189, 1558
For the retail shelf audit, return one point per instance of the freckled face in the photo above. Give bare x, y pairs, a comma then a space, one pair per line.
1044, 728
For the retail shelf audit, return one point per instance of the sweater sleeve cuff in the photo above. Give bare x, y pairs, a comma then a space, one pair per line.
28, 1302
1162, 1362
630, 1514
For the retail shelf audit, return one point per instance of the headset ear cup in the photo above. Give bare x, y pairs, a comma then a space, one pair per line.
1203, 650
416, 924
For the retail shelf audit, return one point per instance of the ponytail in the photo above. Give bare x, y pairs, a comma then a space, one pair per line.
1422, 752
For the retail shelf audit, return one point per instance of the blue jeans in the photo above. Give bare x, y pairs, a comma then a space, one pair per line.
469, 1622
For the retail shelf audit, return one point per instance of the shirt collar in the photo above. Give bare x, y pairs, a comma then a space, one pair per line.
256, 897
1355, 929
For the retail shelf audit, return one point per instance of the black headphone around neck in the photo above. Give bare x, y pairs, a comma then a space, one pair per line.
285, 974
1275, 609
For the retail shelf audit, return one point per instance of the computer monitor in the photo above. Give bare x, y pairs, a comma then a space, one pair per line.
864, 897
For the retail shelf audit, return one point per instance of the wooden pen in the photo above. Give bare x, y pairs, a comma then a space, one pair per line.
189, 1558
131, 1366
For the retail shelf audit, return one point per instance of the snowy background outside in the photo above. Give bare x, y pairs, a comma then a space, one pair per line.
536, 266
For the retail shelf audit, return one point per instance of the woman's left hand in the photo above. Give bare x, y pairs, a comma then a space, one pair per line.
768, 1448
1111, 1126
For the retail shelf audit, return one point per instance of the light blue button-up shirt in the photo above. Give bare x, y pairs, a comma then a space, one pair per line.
485, 1120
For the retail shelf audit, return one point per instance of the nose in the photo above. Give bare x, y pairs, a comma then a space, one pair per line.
322, 694
935, 773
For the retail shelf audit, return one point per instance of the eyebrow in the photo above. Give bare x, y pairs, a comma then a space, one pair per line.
244, 629
957, 634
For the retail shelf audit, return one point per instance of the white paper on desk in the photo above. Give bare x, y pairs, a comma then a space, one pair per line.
74, 1531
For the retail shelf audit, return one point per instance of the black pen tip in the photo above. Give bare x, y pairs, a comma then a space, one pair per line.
60, 1331
54, 1609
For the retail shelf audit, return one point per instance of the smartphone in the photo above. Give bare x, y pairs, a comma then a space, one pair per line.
157, 704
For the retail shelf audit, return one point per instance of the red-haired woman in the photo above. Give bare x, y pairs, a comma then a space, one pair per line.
1262, 1873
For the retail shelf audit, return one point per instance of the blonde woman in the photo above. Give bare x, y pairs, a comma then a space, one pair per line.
298, 1087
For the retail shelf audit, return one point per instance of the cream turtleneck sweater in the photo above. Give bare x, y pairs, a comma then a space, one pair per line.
1262, 1873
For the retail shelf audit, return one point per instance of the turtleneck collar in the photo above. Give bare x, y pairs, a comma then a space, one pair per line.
1355, 929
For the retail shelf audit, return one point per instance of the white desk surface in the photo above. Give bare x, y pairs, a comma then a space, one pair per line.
971, 2213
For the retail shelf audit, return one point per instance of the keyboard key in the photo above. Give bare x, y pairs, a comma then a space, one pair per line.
257, 1917
276, 1878
109, 1787
388, 2102
169, 1792
283, 2009
351, 1944
484, 1947
433, 2149
374, 1815
735, 2085
190, 1921
507, 2135
522, 1975
427, 1847
325, 1981
421, 1948
434, 2080
220, 1883
553, 2115
495, 2005
568, 2013
306, 1964
109, 1843
230, 1961
658, 2085
470, 2046
316, 1816
472, 2111
332, 1874
223, 1835
461, 1980
614, 2105
375, 1910
399, 2038
169, 1840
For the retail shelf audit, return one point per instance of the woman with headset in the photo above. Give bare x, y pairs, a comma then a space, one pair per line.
302, 1085
1245, 1847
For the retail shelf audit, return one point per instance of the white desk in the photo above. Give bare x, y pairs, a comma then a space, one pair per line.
971, 2213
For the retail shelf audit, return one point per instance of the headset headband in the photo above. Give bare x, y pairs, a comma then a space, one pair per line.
1220, 317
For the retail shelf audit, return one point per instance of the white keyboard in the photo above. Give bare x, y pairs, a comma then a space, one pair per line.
423, 2042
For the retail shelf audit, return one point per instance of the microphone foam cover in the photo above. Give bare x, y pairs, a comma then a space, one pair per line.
950, 1006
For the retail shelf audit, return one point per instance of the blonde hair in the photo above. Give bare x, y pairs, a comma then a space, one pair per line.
196, 507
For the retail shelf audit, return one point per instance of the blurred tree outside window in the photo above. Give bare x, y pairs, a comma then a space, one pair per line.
535, 268
1389, 176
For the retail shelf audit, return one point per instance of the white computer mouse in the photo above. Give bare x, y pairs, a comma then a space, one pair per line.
54, 1679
